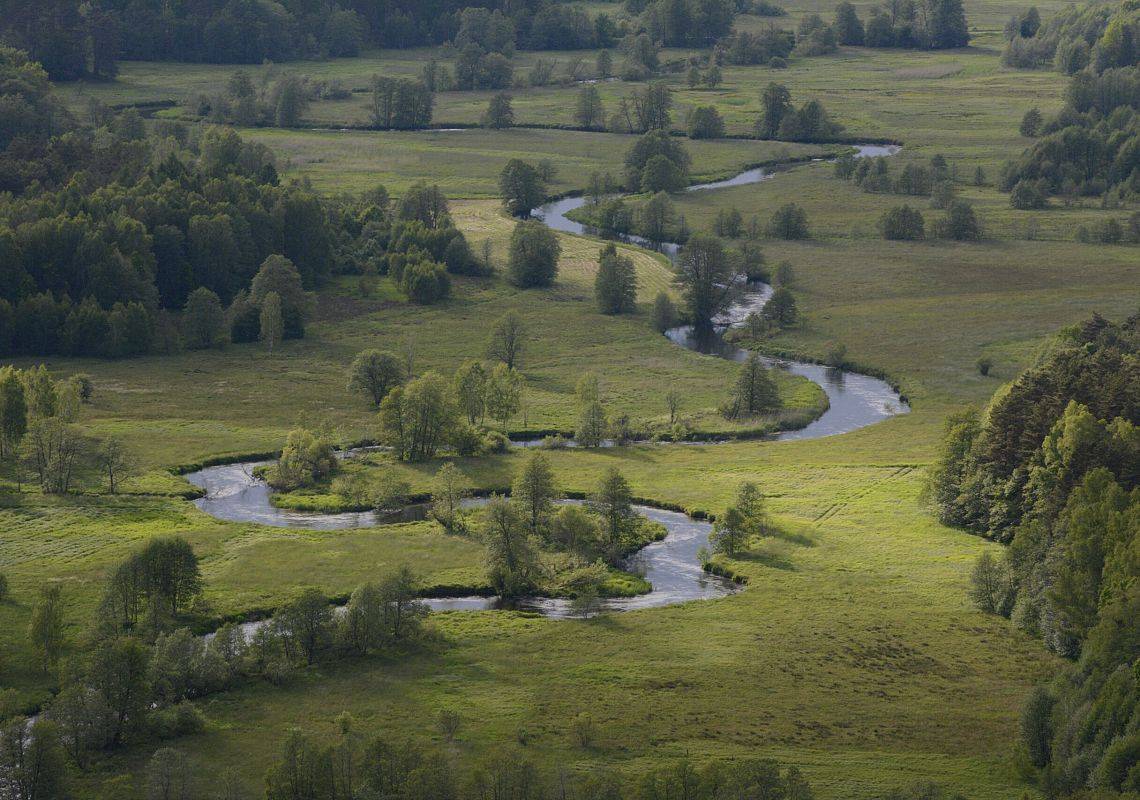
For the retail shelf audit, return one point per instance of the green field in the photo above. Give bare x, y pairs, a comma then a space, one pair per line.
852, 652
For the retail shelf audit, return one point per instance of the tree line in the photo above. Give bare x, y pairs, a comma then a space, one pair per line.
1091, 36
351, 764
1091, 148
79, 40
937, 182
927, 25
179, 237
1052, 469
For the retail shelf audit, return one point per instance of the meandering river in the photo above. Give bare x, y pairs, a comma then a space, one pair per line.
232, 492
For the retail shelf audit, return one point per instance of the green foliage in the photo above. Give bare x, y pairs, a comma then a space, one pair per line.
374, 373
1089, 149
1060, 479
499, 114
615, 286
32, 760
306, 622
204, 321
425, 281
512, 565
419, 418
902, 223
729, 223
670, 159
592, 424
959, 223
534, 253
507, 341
449, 488
45, 629
306, 459
401, 104
271, 325
157, 583
612, 500
523, 189
707, 277
425, 204
705, 122
779, 119
745, 519
754, 392
789, 221
664, 313
781, 308
534, 491
848, 26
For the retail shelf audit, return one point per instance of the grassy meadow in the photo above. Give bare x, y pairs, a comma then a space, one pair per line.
852, 652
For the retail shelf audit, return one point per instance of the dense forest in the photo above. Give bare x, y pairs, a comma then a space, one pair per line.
74, 40
107, 227
1097, 35
1053, 468
1091, 148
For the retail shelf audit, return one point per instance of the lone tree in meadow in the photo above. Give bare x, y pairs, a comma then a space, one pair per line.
615, 287
589, 112
741, 521
775, 102
507, 340
522, 187
902, 223
590, 429
374, 373
500, 114
534, 253
960, 223
705, 122
754, 392
781, 308
789, 221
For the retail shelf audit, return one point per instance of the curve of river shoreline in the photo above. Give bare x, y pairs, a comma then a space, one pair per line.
855, 400
234, 493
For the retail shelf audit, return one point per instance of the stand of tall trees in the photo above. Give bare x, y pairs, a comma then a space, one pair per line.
1097, 36
116, 243
1091, 148
84, 39
1054, 470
